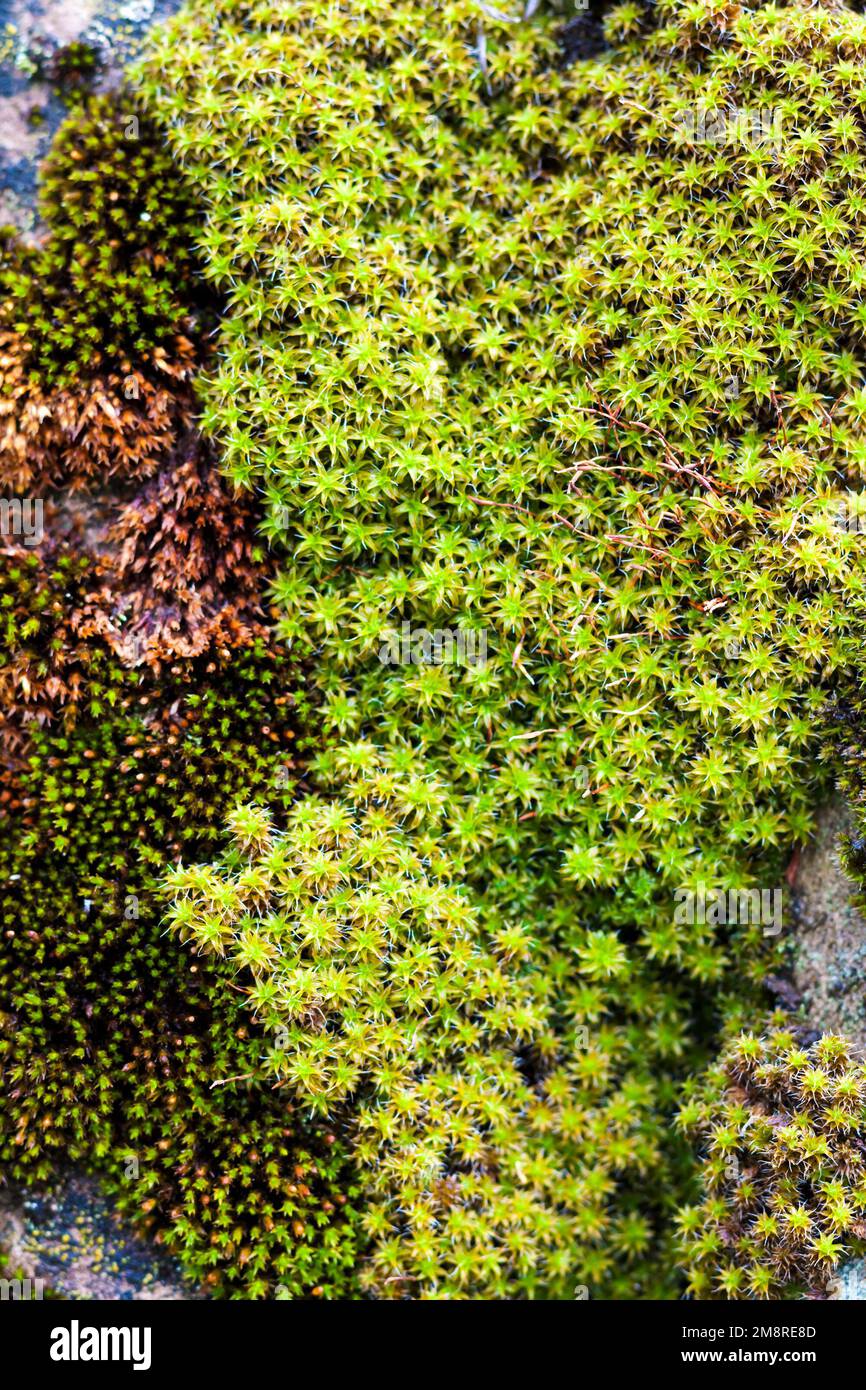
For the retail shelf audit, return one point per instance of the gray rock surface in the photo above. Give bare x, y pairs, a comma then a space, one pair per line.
69, 1237
829, 962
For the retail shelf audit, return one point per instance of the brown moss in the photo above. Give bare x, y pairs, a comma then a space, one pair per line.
184, 567
120, 424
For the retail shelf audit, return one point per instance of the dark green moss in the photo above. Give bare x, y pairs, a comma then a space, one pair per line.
115, 277
116, 1055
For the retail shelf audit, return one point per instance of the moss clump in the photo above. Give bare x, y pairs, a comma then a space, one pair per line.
73, 68
511, 348
102, 325
70, 68
143, 695
373, 982
114, 280
620, 522
114, 1055
780, 1124
488, 1158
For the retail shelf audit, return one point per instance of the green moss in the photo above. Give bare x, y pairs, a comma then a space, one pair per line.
72, 69
115, 277
513, 348
372, 980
